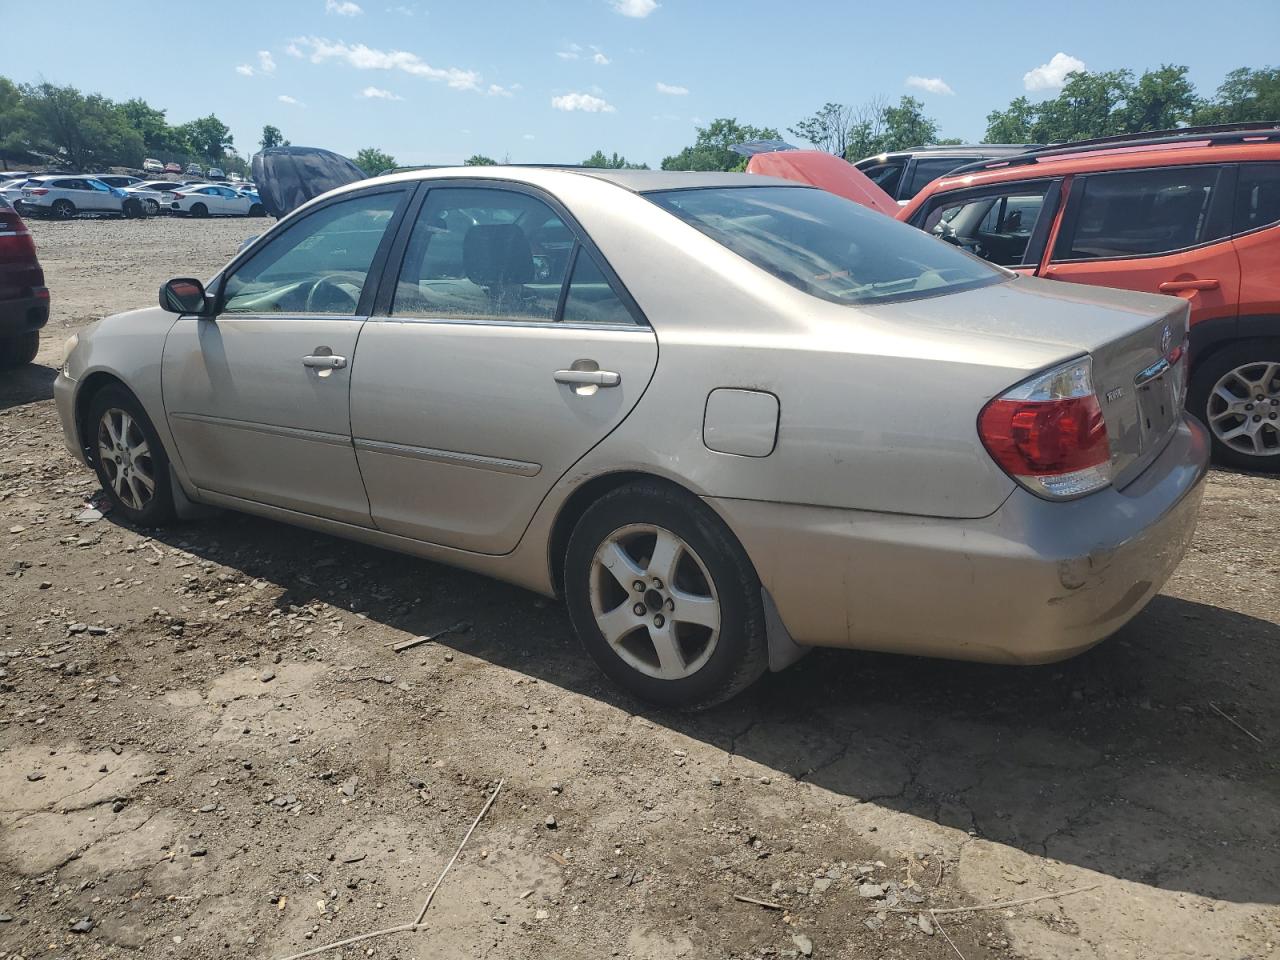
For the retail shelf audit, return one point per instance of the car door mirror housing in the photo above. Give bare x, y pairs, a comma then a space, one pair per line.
184, 295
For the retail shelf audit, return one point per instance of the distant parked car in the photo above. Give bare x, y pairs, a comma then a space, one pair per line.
903, 173
11, 190
152, 166
235, 178
121, 181
62, 198
194, 170
156, 195
24, 299
216, 200
216, 173
173, 168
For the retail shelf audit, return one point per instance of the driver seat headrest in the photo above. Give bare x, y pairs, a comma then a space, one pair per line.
497, 253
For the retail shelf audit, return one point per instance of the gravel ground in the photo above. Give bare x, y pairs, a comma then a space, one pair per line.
207, 748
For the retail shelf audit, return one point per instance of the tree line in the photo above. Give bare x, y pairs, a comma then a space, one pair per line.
45, 123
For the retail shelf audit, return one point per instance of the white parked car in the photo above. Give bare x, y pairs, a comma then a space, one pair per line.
120, 180
11, 189
63, 197
150, 165
214, 200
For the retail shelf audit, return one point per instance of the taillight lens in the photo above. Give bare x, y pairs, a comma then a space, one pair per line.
38, 191
1048, 433
178, 196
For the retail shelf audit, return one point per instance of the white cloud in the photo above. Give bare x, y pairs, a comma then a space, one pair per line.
285, 98
571, 51
266, 62
293, 50
635, 8
377, 93
362, 57
600, 59
403, 10
497, 90
930, 85
343, 8
1052, 75
672, 89
244, 70
582, 101
529, 136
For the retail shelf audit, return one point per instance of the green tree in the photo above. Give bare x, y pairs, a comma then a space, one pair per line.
614, 162
85, 131
479, 160
710, 150
272, 137
1014, 124
15, 123
374, 161
1245, 95
906, 125
209, 137
830, 128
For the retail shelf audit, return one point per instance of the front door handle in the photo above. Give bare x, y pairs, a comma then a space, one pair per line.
1176, 286
325, 362
592, 378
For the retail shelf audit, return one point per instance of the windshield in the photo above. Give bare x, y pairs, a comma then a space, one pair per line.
827, 246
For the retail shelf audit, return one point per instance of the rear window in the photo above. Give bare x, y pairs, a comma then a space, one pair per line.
929, 169
1140, 213
827, 246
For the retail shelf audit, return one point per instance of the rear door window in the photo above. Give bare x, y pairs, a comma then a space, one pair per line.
591, 297
886, 176
1257, 196
1140, 213
928, 169
996, 226
486, 254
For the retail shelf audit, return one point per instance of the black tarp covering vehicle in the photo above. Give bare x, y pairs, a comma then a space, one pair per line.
287, 177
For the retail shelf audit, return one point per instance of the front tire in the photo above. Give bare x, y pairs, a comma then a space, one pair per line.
153, 208
19, 350
1236, 394
664, 598
131, 210
129, 458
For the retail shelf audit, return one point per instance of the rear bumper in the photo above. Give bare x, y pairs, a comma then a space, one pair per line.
1032, 583
23, 314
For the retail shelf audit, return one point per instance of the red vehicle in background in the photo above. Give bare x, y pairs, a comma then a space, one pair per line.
1191, 213
24, 299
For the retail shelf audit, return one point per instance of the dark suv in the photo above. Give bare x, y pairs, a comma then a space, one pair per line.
903, 173
24, 299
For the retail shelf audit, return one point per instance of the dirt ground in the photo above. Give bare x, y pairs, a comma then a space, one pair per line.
207, 748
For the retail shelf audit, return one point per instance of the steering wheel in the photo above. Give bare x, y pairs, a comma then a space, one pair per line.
329, 291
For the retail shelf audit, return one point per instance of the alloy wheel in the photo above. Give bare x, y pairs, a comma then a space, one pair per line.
126, 458
1244, 409
654, 601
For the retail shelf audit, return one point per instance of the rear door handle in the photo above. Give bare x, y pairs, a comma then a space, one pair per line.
1175, 286
325, 362
583, 378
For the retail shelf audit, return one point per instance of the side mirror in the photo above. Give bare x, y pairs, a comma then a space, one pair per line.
184, 295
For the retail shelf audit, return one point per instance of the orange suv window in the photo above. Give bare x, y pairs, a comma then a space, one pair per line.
1140, 213
1257, 196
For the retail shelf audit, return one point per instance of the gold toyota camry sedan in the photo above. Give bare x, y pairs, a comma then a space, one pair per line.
726, 418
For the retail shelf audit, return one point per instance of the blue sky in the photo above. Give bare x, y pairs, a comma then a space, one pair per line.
434, 82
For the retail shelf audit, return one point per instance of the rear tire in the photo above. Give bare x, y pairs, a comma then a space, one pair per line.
131, 209
128, 457
1244, 371
19, 350
199, 210
63, 209
699, 639
257, 210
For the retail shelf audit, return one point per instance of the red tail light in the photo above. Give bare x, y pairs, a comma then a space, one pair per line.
1049, 433
16, 243
38, 191
178, 196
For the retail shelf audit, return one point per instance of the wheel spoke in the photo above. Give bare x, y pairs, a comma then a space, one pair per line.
109, 421
1237, 431
136, 489
117, 483
148, 485
105, 453
619, 563
1225, 395
617, 623
141, 450
126, 427
691, 608
670, 658
666, 556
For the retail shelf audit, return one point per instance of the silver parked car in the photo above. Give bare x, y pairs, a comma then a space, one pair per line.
725, 417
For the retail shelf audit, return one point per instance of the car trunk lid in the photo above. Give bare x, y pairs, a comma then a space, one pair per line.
288, 177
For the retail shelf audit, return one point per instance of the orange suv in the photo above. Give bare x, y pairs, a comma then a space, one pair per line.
1192, 213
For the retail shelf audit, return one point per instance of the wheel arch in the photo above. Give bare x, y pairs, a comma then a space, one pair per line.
90, 387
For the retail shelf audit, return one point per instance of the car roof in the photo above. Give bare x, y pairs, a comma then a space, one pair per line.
1165, 148
636, 181
955, 150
